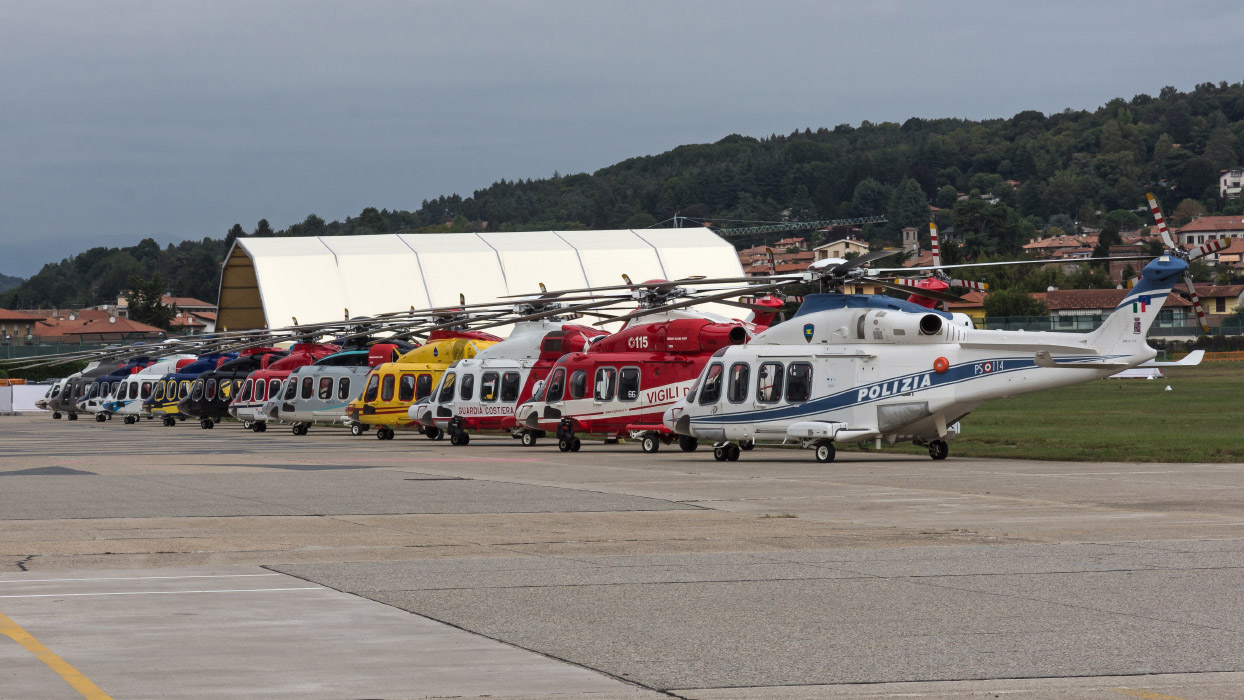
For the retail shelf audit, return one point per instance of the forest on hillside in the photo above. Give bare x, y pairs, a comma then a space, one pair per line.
1073, 168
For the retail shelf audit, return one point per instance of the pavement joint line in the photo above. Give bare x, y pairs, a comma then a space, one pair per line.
234, 590
68, 673
130, 578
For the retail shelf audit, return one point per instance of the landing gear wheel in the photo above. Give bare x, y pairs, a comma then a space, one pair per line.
169, 421
356, 429
575, 444
563, 445
747, 445
938, 449
719, 453
300, 428
131, 420
825, 452
100, 418
435, 434
649, 443
455, 439
205, 423
529, 439
260, 426
56, 415
73, 416
107, 416
732, 452
247, 424
384, 434
686, 443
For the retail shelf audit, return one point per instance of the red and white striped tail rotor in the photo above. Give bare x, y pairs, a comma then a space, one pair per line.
1196, 304
1208, 248
1161, 222
937, 253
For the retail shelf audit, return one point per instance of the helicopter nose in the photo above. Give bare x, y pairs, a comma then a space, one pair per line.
670, 418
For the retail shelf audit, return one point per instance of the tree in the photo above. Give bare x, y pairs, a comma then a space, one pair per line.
908, 205
263, 229
1109, 236
235, 232
870, 197
146, 302
946, 197
1187, 210
1012, 302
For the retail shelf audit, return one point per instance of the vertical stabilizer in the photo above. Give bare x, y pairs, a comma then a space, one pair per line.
1125, 329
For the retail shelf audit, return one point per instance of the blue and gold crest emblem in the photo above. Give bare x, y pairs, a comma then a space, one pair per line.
808, 331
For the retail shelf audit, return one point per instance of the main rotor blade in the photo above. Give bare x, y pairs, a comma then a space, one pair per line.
861, 260
926, 293
692, 302
1010, 262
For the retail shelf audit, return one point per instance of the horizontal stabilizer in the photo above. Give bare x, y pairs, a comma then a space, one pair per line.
1034, 346
1043, 359
1190, 360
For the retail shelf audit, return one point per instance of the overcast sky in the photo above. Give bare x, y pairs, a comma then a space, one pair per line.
174, 120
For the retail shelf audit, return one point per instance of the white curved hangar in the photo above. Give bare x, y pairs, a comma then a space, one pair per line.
267, 282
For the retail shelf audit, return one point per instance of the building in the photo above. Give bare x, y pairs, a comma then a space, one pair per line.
1229, 183
191, 304
270, 281
1060, 246
1220, 300
113, 328
1085, 309
1233, 255
788, 243
17, 326
840, 249
1207, 228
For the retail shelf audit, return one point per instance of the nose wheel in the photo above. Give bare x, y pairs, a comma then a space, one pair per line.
728, 452
938, 449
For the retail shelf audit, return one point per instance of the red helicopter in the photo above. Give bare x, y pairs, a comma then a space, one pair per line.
621, 384
935, 287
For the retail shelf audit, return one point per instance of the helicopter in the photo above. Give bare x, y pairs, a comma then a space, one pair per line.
109, 386
506, 374
128, 401
856, 368
170, 389
213, 390
620, 385
268, 381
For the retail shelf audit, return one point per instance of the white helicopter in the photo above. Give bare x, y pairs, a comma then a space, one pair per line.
856, 368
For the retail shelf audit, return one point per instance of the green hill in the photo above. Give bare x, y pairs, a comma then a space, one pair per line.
7, 282
1071, 166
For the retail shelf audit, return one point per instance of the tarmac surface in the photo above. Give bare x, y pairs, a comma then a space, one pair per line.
151, 562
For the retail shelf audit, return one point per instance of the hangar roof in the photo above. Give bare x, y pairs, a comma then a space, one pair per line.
270, 281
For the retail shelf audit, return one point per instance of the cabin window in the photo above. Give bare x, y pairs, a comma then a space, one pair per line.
406, 390
116, 386
246, 391
291, 389
467, 392
488, 387
740, 380
197, 393
386, 387
711, 393
423, 386
54, 391
326, 388
798, 382
343, 388
695, 386
261, 390
606, 383
145, 392
159, 391
373, 386
185, 389
769, 382
628, 384
211, 390
274, 389
509, 387
578, 383
447, 387
307, 388
557, 385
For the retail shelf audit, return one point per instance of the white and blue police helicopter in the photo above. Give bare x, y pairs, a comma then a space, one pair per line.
851, 368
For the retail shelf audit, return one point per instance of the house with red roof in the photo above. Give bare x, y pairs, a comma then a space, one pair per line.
17, 325
1206, 228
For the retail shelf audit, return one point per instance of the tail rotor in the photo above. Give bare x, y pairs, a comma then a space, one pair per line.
1175, 250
